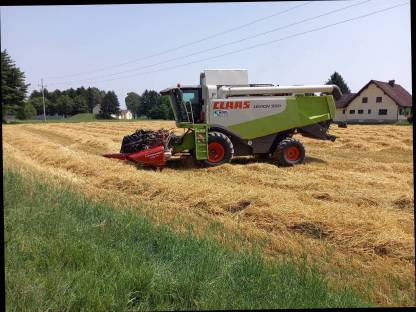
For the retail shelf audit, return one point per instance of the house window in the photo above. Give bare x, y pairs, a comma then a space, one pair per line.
378, 99
382, 111
352, 111
365, 99
360, 111
369, 111
343, 111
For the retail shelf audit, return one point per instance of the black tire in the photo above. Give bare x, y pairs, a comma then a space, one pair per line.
290, 152
221, 141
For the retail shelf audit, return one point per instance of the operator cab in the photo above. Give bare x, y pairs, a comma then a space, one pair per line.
186, 102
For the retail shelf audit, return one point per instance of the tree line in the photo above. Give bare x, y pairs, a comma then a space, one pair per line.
69, 102
150, 104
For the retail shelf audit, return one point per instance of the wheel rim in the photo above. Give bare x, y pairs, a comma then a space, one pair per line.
292, 153
216, 152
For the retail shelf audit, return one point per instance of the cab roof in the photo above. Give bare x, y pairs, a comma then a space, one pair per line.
167, 90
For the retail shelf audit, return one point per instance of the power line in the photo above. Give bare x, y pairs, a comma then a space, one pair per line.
261, 44
186, 44
218, 46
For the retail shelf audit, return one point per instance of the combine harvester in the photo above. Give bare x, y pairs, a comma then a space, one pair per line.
225, 116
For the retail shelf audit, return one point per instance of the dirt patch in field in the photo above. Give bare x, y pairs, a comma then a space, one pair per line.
323, 196
403, 203
316, 230
241, 205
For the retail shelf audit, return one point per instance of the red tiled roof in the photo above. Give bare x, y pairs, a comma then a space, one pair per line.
396, 92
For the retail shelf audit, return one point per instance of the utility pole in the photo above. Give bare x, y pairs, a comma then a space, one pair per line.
43, 100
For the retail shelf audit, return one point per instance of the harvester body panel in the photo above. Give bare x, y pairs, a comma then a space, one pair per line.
254, 117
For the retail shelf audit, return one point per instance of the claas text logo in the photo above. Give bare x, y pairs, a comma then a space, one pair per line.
231, 104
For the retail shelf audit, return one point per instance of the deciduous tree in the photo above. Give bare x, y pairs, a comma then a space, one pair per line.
95, 97
65, 105
37, 103
110, 105
133, 102
80, 104
26, 111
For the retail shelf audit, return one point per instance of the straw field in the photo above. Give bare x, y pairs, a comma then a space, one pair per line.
349, 208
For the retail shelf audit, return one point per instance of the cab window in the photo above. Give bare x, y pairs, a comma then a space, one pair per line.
194, 97
190, 96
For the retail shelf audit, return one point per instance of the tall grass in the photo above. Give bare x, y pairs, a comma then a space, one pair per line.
65, 252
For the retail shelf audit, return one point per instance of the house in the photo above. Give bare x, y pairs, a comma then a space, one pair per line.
376, 102
96, 109
125, 114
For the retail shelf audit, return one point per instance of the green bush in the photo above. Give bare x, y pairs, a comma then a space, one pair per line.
27, 111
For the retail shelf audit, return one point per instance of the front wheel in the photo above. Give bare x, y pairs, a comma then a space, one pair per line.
220, 149
290, 152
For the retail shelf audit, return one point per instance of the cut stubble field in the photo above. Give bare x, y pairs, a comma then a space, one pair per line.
349, 208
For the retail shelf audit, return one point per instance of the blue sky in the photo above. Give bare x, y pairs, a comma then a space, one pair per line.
63, 41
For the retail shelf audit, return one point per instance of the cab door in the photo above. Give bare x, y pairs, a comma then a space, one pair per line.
192, 98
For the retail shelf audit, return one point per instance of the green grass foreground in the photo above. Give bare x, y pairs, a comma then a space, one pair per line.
65, 252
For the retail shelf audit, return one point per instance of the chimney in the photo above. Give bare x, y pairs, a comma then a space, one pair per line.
391, 83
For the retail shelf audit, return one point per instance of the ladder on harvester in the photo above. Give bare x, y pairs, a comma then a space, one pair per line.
200, 132
201, 142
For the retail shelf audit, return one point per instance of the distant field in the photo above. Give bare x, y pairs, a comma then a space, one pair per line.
82, 117
349, 208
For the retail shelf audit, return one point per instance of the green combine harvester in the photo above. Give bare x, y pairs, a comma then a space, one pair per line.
225, 116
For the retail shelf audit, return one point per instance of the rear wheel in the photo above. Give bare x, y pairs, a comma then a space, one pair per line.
290, 152
220, 149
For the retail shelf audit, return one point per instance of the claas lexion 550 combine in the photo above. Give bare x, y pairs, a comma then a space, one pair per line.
225, 116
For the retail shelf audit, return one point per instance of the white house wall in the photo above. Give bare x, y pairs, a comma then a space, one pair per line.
96, 109
339, 116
